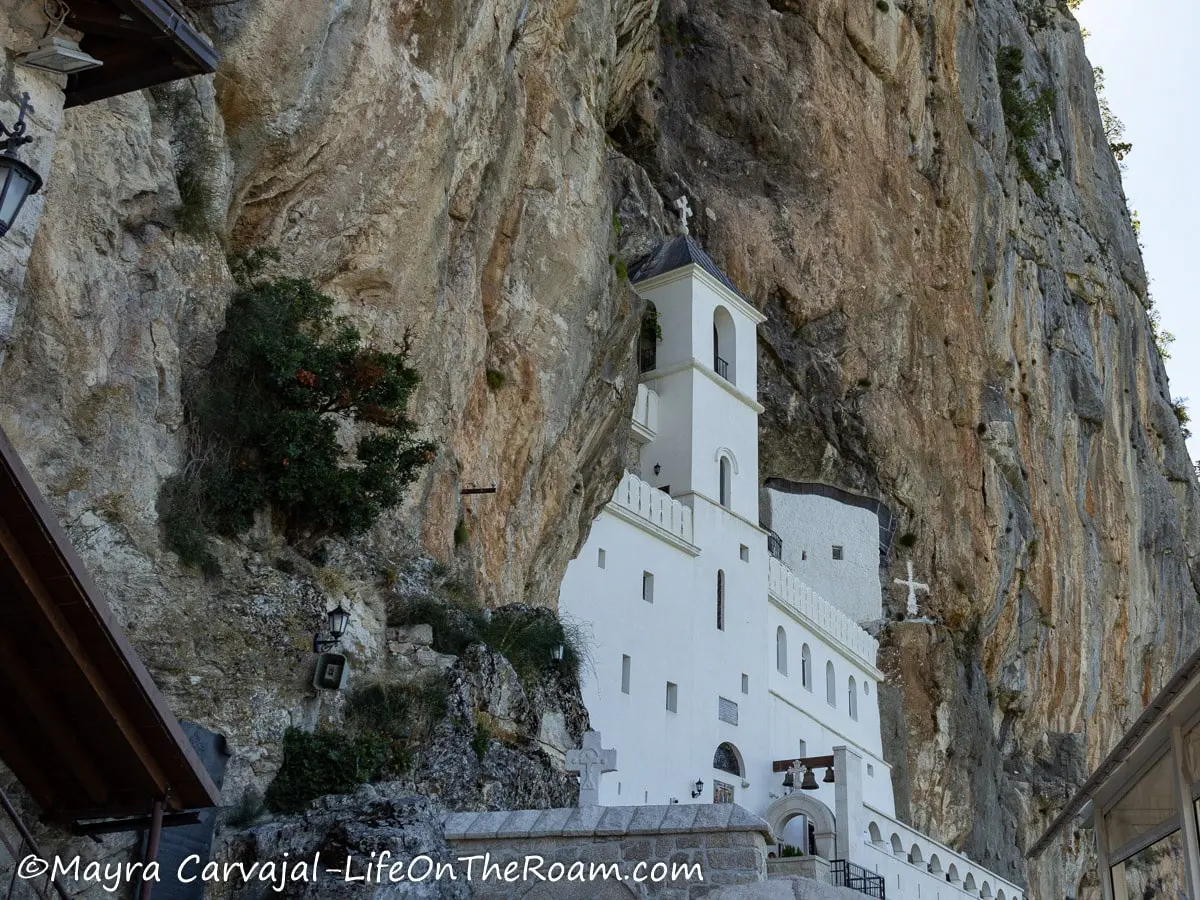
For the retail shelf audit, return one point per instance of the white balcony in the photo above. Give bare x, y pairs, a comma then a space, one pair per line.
653, 510
794, 593
645, 415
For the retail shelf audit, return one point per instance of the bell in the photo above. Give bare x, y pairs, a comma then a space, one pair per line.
828, 779
789, 780
809, 783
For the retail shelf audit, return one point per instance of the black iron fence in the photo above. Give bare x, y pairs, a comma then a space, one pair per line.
775, 545
846, 874
722, 367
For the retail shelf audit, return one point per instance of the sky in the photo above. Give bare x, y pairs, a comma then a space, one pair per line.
1150, 53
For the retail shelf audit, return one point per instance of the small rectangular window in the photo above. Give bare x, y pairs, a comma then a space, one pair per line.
626, 663
804, 554
870, 770
600, 558
648, 587
672, 697
837, 551
745, 553
745, 683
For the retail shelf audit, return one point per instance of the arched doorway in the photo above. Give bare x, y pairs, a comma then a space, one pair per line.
820, 817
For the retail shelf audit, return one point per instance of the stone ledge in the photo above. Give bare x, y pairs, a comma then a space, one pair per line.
604, 821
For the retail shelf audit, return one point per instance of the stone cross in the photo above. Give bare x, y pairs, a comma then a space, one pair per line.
591, 762
685, 211
913, 586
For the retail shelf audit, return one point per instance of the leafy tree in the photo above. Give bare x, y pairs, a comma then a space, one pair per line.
297, 413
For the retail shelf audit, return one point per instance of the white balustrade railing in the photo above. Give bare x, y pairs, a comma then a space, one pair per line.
793, 592
654, 506
645, 411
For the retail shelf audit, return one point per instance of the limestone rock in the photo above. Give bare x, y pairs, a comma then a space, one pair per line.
940, 335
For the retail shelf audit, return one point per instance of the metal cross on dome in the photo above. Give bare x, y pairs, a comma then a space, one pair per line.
685, 212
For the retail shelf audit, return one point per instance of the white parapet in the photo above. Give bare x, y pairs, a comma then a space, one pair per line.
645, 414
918, 866
794, 593
645, 505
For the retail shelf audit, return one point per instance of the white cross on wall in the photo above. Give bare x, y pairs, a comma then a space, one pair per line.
685, 211
913, 586
591, 762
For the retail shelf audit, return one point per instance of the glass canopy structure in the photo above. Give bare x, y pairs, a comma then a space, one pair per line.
1144, 798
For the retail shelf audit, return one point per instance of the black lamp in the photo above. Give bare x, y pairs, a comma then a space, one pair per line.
809, 783
17, 181
657, 468
338, 620
557, 653
698, 790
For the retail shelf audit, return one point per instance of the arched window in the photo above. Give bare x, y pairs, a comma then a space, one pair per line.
876, 834
915, 856
806, 667
830, 684
726, 481
781, 650
853, 701
724, 344
648, 339
727, 759
720, 600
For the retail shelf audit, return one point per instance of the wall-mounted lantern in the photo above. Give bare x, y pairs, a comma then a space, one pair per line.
338, 620
657, 468
557, 653
698, 790
60, 56
17, 180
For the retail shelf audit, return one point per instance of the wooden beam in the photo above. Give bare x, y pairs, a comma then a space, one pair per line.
27, 771
56, 626
812, 762
60, 735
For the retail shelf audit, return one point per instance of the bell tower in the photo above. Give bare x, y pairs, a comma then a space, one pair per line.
701, 360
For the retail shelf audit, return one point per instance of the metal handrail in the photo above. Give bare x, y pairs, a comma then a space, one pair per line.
721, 366
846, 874
26, 840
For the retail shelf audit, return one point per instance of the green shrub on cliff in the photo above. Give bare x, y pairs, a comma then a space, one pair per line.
296, 413
1025, 112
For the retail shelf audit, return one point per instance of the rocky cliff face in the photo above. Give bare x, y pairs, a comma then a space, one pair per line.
940, 336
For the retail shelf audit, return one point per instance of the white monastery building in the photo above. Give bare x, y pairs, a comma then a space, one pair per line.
716, 672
